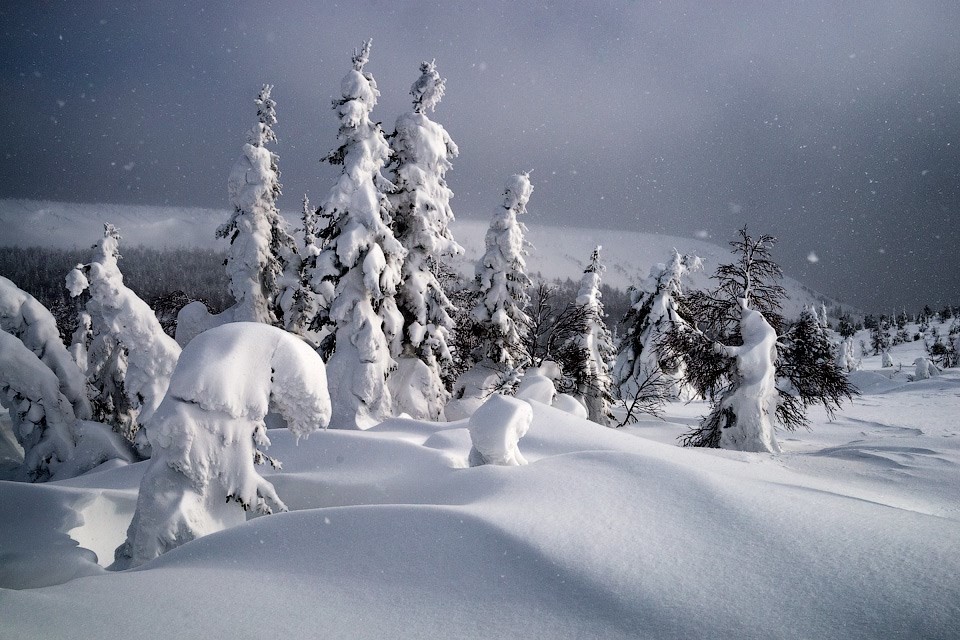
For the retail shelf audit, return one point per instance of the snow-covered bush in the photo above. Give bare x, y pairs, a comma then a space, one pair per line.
129, 346
207, 433
423, 151
358, 271
539, 383
496, 428
589, 376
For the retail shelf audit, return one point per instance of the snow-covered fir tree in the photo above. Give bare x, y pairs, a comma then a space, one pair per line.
45, 392
880, 336
502, 279
358, 271
754, 385
261, 250
590, 378
299, 302
423, 151
209, 431
498, 321
131, 358
643, 366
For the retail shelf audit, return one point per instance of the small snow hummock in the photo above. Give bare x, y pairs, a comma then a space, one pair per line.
496, 428
924, 369
207, 433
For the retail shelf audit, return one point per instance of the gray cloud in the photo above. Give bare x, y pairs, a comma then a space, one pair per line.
835, 126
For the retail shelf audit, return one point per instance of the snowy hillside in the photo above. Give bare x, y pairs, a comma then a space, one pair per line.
852, 532
556, 252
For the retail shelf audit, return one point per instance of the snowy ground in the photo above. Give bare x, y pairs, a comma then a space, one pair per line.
852, 532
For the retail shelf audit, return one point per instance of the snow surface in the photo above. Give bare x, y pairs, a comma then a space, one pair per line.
853, 531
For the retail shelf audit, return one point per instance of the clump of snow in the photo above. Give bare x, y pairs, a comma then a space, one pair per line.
207, 432
924, 369
472, 388
537, 383
496, 428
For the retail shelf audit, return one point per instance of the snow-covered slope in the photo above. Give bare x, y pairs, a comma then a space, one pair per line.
556, 252
852, 532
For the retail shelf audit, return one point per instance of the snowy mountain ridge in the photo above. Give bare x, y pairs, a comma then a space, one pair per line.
555, 252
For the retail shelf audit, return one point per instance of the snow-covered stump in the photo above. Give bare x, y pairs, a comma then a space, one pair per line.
207, 432
496, 428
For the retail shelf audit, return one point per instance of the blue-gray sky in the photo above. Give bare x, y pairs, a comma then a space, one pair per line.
832, 125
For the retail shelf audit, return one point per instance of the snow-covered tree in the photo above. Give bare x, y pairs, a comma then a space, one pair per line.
261, 250
502, 279
23, 317
358, 271
260, 247
299, 301
498, 321
880, 336
423, 151
755, 383
589, 377
207, 434
45, 393
131, 359
642, 364
496, 428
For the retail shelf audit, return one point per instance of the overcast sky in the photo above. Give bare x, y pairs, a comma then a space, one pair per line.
832, 125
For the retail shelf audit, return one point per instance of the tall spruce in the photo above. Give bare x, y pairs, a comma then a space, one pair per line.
261, 250
423, 151
358, 270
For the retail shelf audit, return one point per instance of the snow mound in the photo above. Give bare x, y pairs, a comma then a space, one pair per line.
496, 428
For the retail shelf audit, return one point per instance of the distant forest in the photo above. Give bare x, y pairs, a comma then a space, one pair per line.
157, 275
154, 274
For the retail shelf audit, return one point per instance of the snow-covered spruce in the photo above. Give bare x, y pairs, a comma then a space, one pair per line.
654, 312
262, 258
130, 353
56, 445
496, 428
358, 271
500, 322
423, 151
924, 369
299, 301
207, 433
23, 317
590, 379
502, 279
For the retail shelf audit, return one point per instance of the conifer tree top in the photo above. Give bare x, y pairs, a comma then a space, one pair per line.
429, 88
262, 132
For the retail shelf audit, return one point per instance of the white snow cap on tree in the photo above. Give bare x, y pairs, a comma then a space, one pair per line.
421, 217
502, 279
359, 269
496, 428
118, 313
22, 316
207, 433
